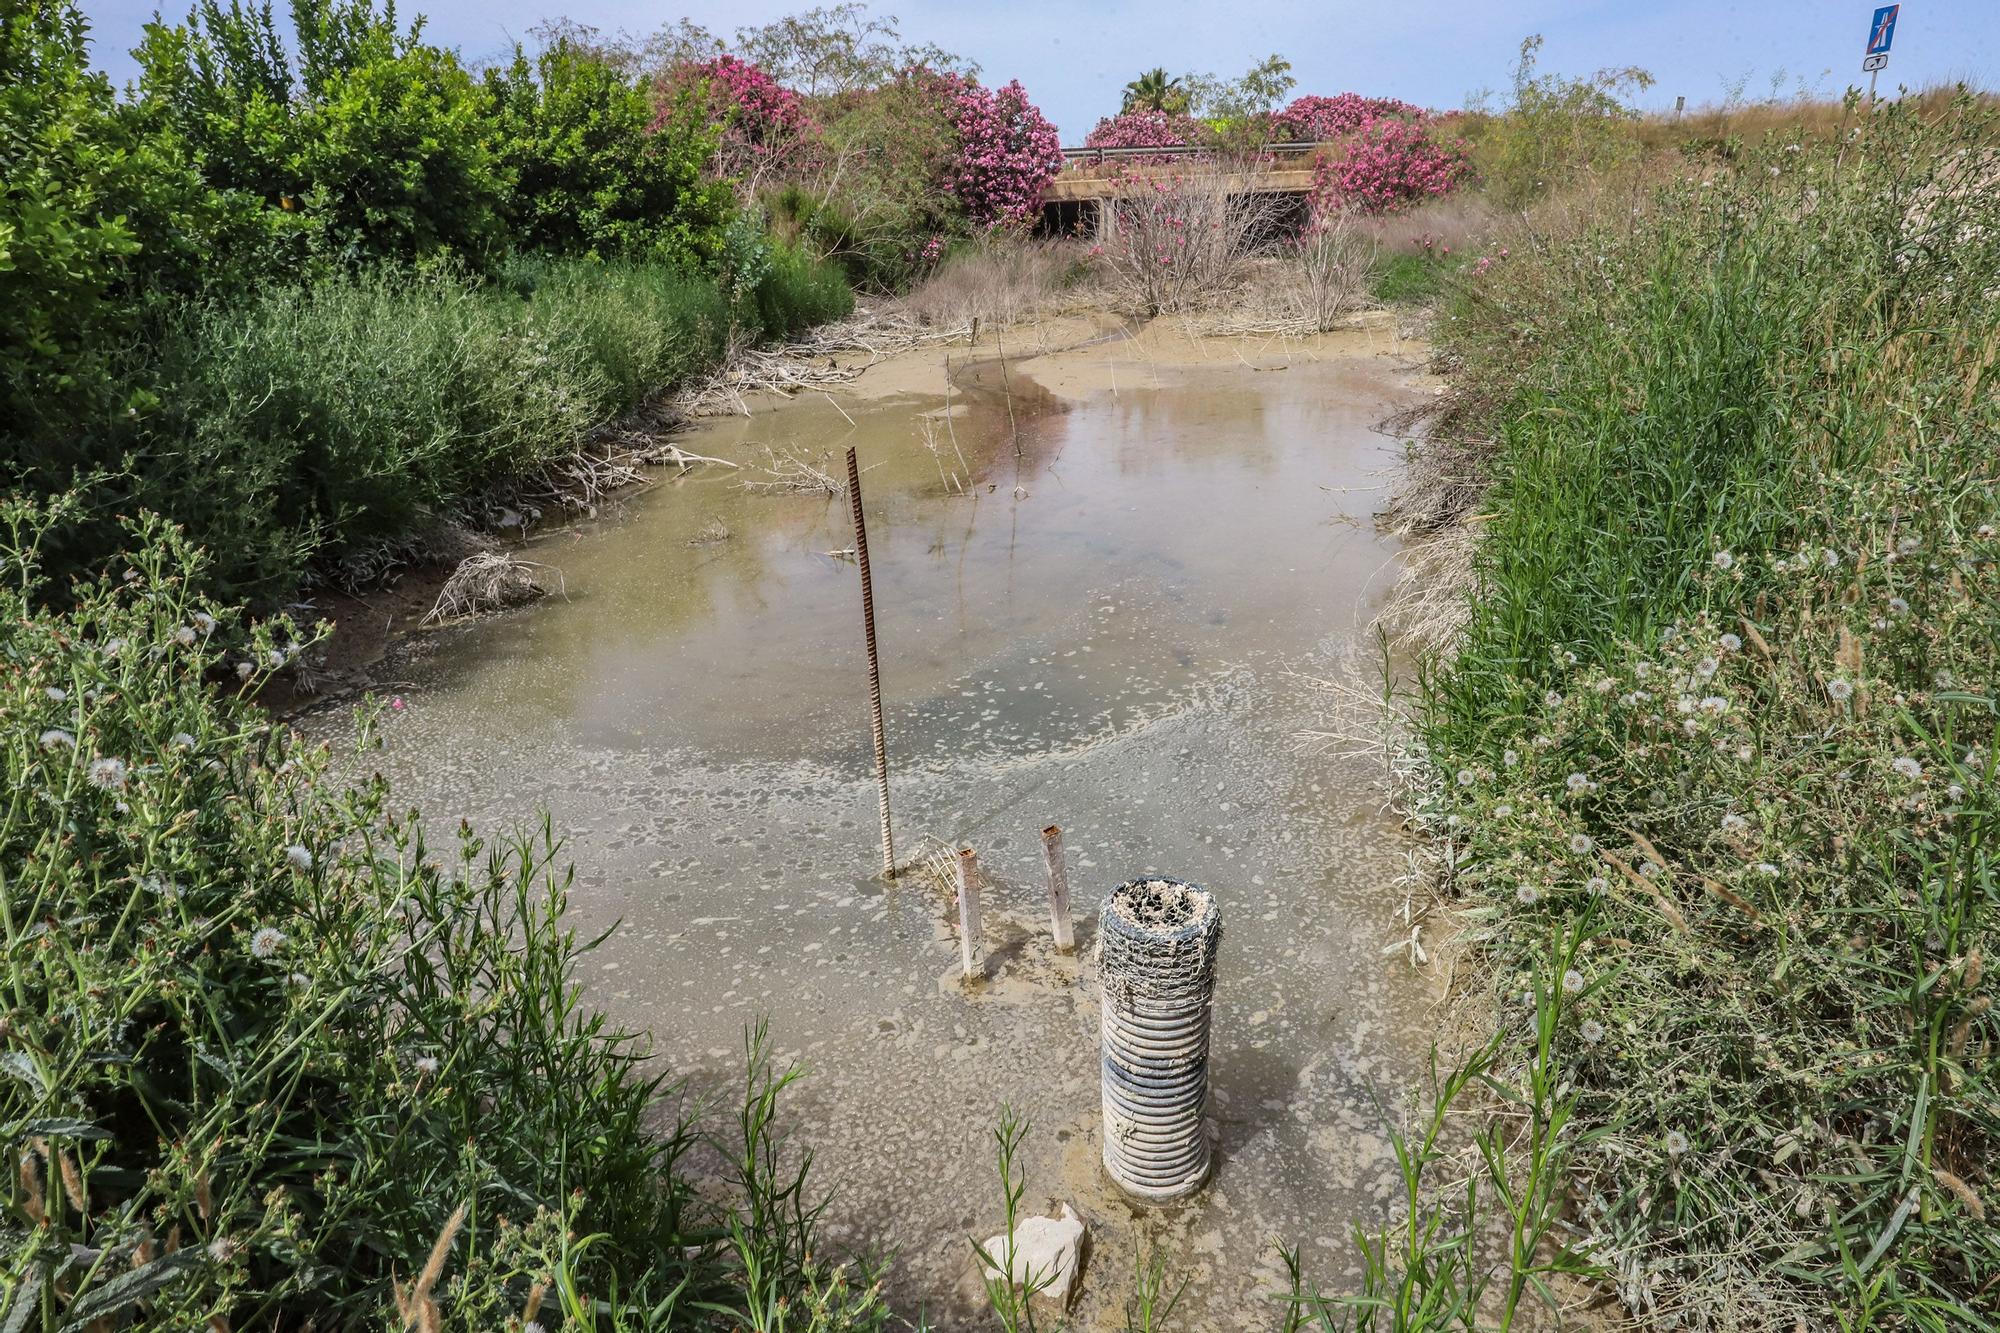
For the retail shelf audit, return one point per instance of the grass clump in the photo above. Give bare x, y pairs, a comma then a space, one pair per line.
1724, 704
316, 421
273, 1059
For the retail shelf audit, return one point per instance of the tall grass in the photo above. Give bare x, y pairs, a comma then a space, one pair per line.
310, 422
274, 1059
1724, 706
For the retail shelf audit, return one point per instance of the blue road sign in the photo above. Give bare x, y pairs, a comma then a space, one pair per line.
1882, 30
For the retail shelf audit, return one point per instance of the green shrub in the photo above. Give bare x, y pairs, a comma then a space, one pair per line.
269, 1053
94, 207
376, 147
1724, 703
589, 173
797, 291
312, 422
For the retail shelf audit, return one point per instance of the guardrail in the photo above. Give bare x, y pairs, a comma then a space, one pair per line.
1073, 156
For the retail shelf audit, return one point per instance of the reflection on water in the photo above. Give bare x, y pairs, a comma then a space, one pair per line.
1105, 631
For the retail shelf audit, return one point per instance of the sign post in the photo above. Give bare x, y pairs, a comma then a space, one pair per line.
1881, 31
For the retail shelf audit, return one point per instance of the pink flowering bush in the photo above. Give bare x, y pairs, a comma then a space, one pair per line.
767, 128
1008, 153
1389, 165
1313, 119
1145, 129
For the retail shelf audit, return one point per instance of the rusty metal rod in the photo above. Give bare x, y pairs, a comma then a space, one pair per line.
874, 665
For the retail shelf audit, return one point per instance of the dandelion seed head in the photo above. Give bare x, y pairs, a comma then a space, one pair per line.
1907, 767
1528, 894
1650, 869
1466, 777
1642, 670
1723, 560
1503, 811
1577, 782
1898, 606
182, 741
56, 693
266, 942
300, 857
1581, 844
184, 635
1591, 1031
1552, 699
1943, 679
1677, 1143
107, 772
203, 621
1768, 869
425, 1064
1714, 705
1731, 643
1510, 758
243, 670
1838, 690
1735, 824
57, 738
1597, 884
1707, 667
1573, 982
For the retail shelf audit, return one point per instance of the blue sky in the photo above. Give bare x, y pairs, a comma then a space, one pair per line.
1075, 55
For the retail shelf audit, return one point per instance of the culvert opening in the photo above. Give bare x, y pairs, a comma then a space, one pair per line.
1158, 940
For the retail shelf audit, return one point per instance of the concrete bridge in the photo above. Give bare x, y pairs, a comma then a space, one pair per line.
1078, 202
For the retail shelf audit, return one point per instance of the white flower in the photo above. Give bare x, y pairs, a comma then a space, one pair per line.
1591, 1031
300, 858
1510, 757
1723, 560
222, 1249
1908, 767
1466, 777
1714, 705
266, 942
1684, 704
204, 622
243, 670
1707, 667
56, 736
1577, 782
1573, 982
1735, 824
1839, 690
1581, 844
1731, 643
107, 772
1677, 1143
1528, 894
1597, 884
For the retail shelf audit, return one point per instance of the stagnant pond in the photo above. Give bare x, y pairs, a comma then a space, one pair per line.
1105, 580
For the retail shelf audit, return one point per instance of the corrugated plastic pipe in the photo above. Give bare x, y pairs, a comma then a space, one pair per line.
1157, 942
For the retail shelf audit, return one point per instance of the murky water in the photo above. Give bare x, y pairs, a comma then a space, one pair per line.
1110, 630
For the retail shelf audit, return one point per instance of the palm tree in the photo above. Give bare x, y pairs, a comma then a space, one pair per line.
1155, 91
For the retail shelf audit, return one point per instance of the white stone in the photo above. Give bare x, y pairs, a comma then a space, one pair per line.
1048, 1249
